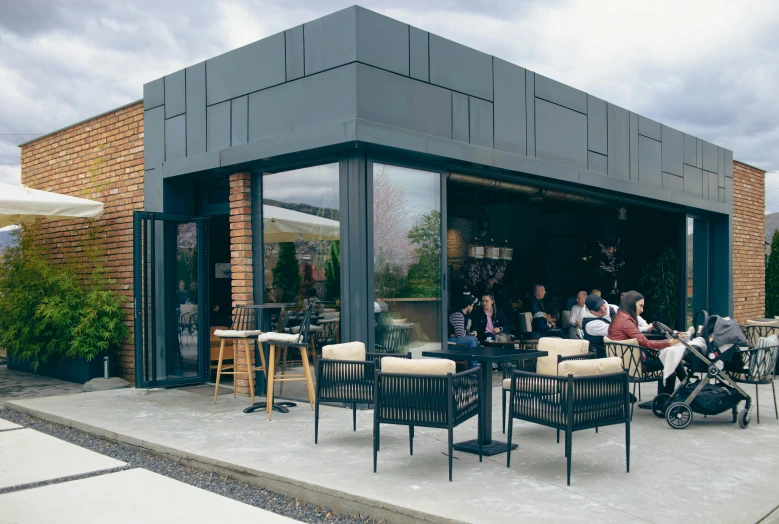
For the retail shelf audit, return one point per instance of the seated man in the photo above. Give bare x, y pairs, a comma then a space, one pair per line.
598, 315
543, 322
577, 316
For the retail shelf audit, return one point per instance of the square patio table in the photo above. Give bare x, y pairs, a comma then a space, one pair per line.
485, 356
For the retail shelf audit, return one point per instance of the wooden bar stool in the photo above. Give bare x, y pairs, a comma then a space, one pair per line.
242, 333
278, 343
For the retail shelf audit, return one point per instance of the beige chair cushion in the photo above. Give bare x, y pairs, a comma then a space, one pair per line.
236, 333
558, 346
425, 366
345, 351
588, 367
565, 322
774, 323
278, 337
525, 322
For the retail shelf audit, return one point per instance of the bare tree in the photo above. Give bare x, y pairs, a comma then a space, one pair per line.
390, 220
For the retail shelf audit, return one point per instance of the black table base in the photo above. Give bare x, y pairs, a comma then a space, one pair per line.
493, 448
281, 407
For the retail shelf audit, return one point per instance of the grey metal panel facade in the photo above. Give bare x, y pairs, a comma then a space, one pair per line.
218, 129
481, 124
597, 126
721, 166
561, 94
597, 163
649, 128
728, 190
634, 147
246, 69
382, 42
618, 141
294, 53
561, 135
530, 111
153, 137
710, 161
672, 182
196, 108
460, 118
460, 68
649, 161
418, 54
693, 181
713, 193
403, 102
153, 94
175, 96
690, 150
176, 137
509, 116
331, 41
673, 151
239, 120
728, 164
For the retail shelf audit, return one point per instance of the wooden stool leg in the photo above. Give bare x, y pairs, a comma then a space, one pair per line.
264, 368
283, 370
271, 370
235, 368
309, 382
219, 369
249, 368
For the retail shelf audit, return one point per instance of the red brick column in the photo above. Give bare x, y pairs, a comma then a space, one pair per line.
748, 242
241, 255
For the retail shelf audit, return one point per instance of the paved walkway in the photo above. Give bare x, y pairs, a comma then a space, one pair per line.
710, 472
44, 480
17, 385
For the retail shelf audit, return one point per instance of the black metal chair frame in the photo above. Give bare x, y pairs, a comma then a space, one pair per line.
349, 382
391, 337
582, 403
619, 350
761, 366
529, 365
448, 401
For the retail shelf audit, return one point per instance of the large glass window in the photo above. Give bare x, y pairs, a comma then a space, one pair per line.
301, 241
406, 258
697, 296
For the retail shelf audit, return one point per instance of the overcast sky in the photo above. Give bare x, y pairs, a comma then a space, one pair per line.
709, 68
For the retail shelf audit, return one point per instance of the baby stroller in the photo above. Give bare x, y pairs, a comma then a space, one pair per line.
706, 396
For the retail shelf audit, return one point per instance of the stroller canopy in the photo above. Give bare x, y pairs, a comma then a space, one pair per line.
723, 333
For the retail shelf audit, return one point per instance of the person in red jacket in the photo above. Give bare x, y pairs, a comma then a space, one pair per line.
625, 326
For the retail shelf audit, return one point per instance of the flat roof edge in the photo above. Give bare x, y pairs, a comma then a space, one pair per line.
80, 122
750, 165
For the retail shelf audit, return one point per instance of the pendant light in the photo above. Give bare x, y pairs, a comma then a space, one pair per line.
475, 249
492, 251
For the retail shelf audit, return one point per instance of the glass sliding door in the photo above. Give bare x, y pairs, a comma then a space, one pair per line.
407, 251
697, 269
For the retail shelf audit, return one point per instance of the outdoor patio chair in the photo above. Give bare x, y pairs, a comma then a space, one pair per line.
392, 338
639, 372
426, 393
588, 394
345, 374
759, 367
754, 329
242, 332
556, 349
282, 341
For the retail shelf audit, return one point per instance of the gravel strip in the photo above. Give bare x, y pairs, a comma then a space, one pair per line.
60, 480
137, 458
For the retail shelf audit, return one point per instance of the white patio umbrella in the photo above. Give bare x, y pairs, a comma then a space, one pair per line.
20, 204
286, 225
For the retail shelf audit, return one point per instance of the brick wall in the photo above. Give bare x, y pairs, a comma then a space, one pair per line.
748, 242
242, 282
100, 159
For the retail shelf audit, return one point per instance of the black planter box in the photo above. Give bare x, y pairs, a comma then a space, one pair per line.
73, 370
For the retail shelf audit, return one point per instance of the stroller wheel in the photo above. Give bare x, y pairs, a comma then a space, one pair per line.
743, 419
678, 415
659, 403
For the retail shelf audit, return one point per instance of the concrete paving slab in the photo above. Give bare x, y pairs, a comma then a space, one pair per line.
127, 497
4, 424
29, 456
712, 470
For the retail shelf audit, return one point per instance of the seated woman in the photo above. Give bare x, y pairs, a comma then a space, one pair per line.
625, 327
488, 320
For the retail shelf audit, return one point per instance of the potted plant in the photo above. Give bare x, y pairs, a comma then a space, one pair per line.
611, 266
659, 283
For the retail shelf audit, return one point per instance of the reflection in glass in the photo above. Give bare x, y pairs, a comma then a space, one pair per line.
185, 360
301, 239
406, 258
690, 250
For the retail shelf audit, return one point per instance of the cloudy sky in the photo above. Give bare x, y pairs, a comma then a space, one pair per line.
709, 68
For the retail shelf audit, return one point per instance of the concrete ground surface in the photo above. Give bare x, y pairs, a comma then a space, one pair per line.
710, 472
16, 385
109, 498
46, 480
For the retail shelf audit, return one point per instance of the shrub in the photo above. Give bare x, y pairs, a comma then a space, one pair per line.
772, 279
51, 311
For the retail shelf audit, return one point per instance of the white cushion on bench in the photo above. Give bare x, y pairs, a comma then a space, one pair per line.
272, 336
345, 351
558, 346
590, 366
236, 333
427, 366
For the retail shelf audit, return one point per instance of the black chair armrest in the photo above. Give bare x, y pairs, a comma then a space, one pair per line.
465, 389
376, 357
584, 356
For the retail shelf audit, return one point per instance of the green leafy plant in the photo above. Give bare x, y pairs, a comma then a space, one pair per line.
52, 311
333, 272
772, 279
659, 284
286, 274
307, 285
